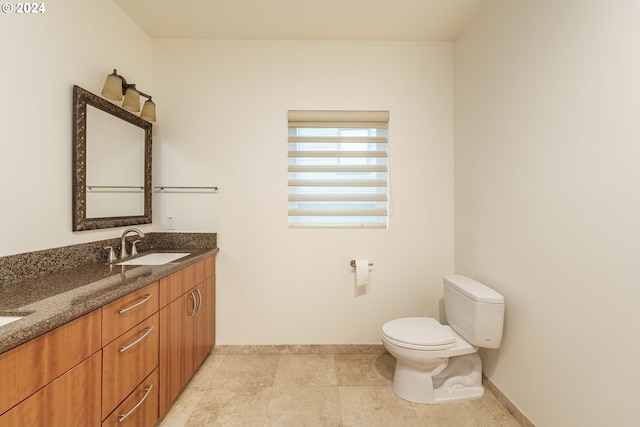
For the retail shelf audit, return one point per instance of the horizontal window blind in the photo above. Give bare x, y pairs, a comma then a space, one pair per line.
338, 169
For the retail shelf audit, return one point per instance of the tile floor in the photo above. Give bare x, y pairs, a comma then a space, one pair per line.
315, 390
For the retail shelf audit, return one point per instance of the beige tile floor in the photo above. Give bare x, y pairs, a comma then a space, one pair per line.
315, 390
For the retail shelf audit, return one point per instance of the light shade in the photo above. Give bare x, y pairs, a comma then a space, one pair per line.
131, 100
113, 87
148, 111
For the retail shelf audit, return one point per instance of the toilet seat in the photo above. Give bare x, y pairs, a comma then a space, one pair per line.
419, 333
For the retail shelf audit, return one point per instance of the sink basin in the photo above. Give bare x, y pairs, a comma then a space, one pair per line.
157, 258
5, 320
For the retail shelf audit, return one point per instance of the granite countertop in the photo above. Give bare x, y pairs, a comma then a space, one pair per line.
54, 299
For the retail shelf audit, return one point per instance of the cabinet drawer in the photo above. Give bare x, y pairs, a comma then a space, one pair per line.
210, 266
140, 408
176, 284
203, 269
65, 402
126, 312
8, 380
127, 360
199, 272
29, 413
22, 368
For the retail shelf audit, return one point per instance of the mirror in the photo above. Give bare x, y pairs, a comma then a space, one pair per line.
111, 164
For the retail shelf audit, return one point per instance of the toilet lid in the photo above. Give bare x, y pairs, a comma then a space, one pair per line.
422, 331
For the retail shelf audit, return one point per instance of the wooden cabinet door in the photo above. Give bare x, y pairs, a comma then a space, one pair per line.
205, 318
69, 401
176, 347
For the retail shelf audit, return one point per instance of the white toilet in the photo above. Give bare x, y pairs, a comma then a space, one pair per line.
439, 363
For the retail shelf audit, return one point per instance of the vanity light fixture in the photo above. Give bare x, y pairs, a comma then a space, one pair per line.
116, 86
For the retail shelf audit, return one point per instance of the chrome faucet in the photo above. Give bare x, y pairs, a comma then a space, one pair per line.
123, 244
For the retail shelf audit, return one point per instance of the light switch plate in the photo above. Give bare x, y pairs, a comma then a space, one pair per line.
171, 223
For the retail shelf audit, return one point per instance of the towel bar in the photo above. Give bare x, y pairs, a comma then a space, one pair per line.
170, 189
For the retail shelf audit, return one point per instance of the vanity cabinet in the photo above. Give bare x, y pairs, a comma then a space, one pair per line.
187, 325
133, 354
45, 380
122, 364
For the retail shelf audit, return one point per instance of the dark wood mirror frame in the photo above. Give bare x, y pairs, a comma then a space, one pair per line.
82, 98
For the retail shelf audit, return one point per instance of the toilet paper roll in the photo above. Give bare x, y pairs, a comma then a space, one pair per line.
362, 272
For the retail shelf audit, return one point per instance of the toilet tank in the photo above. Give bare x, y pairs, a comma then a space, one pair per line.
474, 310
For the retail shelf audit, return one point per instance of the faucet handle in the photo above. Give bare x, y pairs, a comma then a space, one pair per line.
111, 256
123, 250
134, 250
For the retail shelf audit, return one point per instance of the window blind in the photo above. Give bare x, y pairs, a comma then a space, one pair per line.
338, 169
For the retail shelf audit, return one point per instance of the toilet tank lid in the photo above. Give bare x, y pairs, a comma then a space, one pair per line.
473, 289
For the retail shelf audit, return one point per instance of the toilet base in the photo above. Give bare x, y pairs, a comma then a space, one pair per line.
461, 379
469, 393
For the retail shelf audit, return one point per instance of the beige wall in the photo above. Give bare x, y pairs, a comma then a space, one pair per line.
223, 121
547, 195
546, 179
42, 57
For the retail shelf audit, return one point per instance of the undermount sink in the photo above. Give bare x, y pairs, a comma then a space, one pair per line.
156, 258
5, 320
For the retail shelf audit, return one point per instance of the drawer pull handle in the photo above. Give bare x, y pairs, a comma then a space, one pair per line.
146, 394
138, 304
147, 331
195, 305
199, 299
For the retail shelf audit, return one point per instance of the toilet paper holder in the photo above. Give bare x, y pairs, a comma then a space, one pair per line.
352, 263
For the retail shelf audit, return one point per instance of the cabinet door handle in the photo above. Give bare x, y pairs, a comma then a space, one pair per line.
131, 411
147, 331
195, 305
138, 304
199, 299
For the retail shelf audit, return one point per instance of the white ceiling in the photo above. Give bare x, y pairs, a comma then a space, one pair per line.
431, 20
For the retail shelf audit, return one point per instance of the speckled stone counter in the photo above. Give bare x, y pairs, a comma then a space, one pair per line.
58, 296
16, 268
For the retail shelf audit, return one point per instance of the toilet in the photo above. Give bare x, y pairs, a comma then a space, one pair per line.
438, 363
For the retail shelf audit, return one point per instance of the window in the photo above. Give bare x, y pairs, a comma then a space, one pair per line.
338, 169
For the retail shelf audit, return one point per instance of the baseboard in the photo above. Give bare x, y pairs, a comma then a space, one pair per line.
301, 349
515, 412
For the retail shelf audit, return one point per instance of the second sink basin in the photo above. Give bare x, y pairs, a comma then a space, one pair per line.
156, 258
5, 320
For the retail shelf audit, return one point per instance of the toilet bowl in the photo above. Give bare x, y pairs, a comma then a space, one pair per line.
438, 363
422, 361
